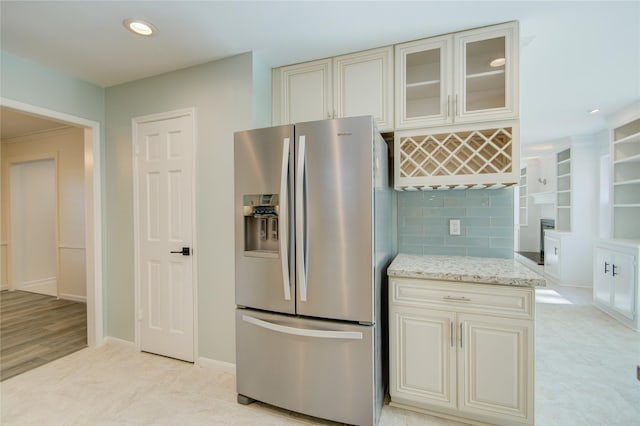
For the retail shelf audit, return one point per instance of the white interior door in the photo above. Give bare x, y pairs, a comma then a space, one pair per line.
33, 226
164, 157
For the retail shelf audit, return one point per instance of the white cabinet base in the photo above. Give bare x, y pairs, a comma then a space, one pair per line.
566, 258
615, 280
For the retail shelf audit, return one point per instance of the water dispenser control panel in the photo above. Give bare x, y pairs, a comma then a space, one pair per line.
261, 225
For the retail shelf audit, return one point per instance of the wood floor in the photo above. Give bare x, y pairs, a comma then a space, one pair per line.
36, 329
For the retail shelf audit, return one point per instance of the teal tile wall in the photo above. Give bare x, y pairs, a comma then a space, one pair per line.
486, 222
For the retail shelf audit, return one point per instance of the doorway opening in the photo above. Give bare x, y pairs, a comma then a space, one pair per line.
92, 211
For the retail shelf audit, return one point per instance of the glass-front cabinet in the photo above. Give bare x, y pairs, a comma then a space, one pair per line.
423, 94
471, 76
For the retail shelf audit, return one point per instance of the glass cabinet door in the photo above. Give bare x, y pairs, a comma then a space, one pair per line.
486, 63
424, 84
484, 74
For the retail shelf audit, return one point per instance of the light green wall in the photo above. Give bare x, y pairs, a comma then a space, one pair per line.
221, 93
31, 83
261, 93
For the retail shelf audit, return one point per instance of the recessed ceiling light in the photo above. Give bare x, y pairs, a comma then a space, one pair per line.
498, 62
594, 110
139, 27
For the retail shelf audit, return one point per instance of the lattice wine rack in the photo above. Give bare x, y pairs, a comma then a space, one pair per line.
457, 160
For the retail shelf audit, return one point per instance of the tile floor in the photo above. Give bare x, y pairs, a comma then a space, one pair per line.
585, 375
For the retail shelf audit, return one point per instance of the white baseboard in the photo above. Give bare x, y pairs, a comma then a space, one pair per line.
119, 342
212, 364
72, 297
48, 286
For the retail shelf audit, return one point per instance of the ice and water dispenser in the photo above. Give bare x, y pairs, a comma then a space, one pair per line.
261, 225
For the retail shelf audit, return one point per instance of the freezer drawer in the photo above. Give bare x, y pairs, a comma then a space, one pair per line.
325, 369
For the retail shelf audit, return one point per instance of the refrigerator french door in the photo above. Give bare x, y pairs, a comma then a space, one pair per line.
309, 267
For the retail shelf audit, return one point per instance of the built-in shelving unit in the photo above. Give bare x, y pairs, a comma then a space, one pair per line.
563, 190
524, 198
625, 156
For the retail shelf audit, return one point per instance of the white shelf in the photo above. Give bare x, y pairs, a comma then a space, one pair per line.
629, 139
563, 175
548, 197
568, 160
422, 83
485, 74
632, 159
627, 205
627, 182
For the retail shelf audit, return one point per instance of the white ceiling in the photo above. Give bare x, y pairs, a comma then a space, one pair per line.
575, 55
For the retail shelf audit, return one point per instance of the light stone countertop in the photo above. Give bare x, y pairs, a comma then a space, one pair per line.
484, 270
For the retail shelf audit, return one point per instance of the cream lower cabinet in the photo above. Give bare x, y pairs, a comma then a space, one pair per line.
465, 351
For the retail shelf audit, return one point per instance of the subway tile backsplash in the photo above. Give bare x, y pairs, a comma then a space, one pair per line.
486, 222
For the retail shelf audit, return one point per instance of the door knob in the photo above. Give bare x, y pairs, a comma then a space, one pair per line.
186, 251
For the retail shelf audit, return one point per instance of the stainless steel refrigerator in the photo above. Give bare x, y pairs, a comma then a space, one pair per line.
313, 213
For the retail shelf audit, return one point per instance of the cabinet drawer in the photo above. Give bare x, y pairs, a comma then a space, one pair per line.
517, 302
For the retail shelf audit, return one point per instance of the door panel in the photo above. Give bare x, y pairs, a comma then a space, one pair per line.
624, 299
493, 360
602, 277
164, 173
264, 274
306, 92
319, 368
337, 218
422, 357
33, 210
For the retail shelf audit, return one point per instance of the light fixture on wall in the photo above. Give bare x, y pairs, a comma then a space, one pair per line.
594, 110
139, 27
542, 181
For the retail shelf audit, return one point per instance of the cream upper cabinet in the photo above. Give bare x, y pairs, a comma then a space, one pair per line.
306, 92
363, 85
423, 85
344, 86
466, 77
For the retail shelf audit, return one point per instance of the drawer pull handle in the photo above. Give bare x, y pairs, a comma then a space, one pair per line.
457, 299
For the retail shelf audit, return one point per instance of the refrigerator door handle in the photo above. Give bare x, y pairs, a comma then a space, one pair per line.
322, 334
284, 220
300, 220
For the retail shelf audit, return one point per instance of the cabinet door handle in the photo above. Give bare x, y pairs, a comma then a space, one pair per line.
613, 270
448, 106
457, 299
451, 338
461, 335
606, 267
456, 105
555, 250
